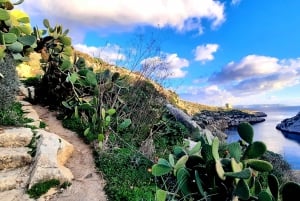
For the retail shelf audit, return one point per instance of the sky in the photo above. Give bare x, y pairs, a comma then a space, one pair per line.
241, 52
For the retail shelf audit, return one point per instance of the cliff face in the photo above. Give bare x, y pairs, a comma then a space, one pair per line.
291, 125
227, 118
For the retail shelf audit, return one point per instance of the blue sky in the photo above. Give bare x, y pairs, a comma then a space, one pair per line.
215, 52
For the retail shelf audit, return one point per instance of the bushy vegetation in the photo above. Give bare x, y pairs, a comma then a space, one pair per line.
208, 171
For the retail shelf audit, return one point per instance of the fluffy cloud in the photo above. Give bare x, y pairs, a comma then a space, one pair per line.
169, 65
205, 52
242, 82
254, 74
210, 95
96, 14
109, 53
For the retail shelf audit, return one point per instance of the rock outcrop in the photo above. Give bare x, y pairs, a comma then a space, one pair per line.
24, 163
291, 125
222, 120
187, 120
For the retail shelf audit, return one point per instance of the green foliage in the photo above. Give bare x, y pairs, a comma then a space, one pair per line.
13, 115
206, 172
126, 174
41, 188
9, 83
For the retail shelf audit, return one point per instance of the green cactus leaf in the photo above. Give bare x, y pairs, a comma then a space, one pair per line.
68, 51
195, 149
161, 195
179, 152
15, 31
244, 174
25, 28
236, 167
183, 177
199, 184
273, 185
67, 41
171, 160
215, 148
20, 16
4, 14
259, 165
206, 152
180, 163
290, 191
46, 23
242, 190
245, 131
16, 47
66, 65
111, 111
9, 38
162, 161
255, 150
220, 171
257, 187
235, 151
8, 23
264, 196
27, 40
91, 78
160, 170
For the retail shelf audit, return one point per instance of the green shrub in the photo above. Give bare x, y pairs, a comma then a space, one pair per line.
126, 174
13, 115
9, 82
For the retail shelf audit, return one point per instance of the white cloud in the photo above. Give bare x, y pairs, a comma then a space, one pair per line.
205, 52
169, 65
252, 80
209, 95
109, 53
181, 15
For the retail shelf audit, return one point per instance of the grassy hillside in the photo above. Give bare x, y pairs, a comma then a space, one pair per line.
32, 68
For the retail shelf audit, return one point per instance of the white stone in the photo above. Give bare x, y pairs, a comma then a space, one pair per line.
52, 153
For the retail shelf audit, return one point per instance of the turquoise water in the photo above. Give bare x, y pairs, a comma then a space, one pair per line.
288, 145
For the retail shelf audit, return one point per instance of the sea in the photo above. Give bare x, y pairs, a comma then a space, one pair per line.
285, 144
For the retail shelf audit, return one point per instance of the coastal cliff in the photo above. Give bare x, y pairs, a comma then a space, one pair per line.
227, 118
291, 125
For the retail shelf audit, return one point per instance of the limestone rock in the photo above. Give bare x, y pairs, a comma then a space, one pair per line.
15, 137
291, 125
14, 157
13, 179
52, 153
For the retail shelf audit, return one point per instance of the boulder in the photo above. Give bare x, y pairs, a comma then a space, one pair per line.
52, 153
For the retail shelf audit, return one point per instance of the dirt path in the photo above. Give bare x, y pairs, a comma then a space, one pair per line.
88, 183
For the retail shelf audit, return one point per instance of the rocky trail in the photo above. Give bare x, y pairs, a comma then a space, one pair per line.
87, 183
60, 153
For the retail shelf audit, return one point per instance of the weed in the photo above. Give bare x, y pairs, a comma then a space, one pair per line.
13, 116
41, 188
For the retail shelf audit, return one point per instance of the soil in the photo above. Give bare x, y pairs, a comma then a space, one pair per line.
88, 183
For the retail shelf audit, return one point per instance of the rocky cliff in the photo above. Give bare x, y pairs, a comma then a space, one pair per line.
291, 125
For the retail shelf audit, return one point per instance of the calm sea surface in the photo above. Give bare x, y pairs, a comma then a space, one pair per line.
288, 145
